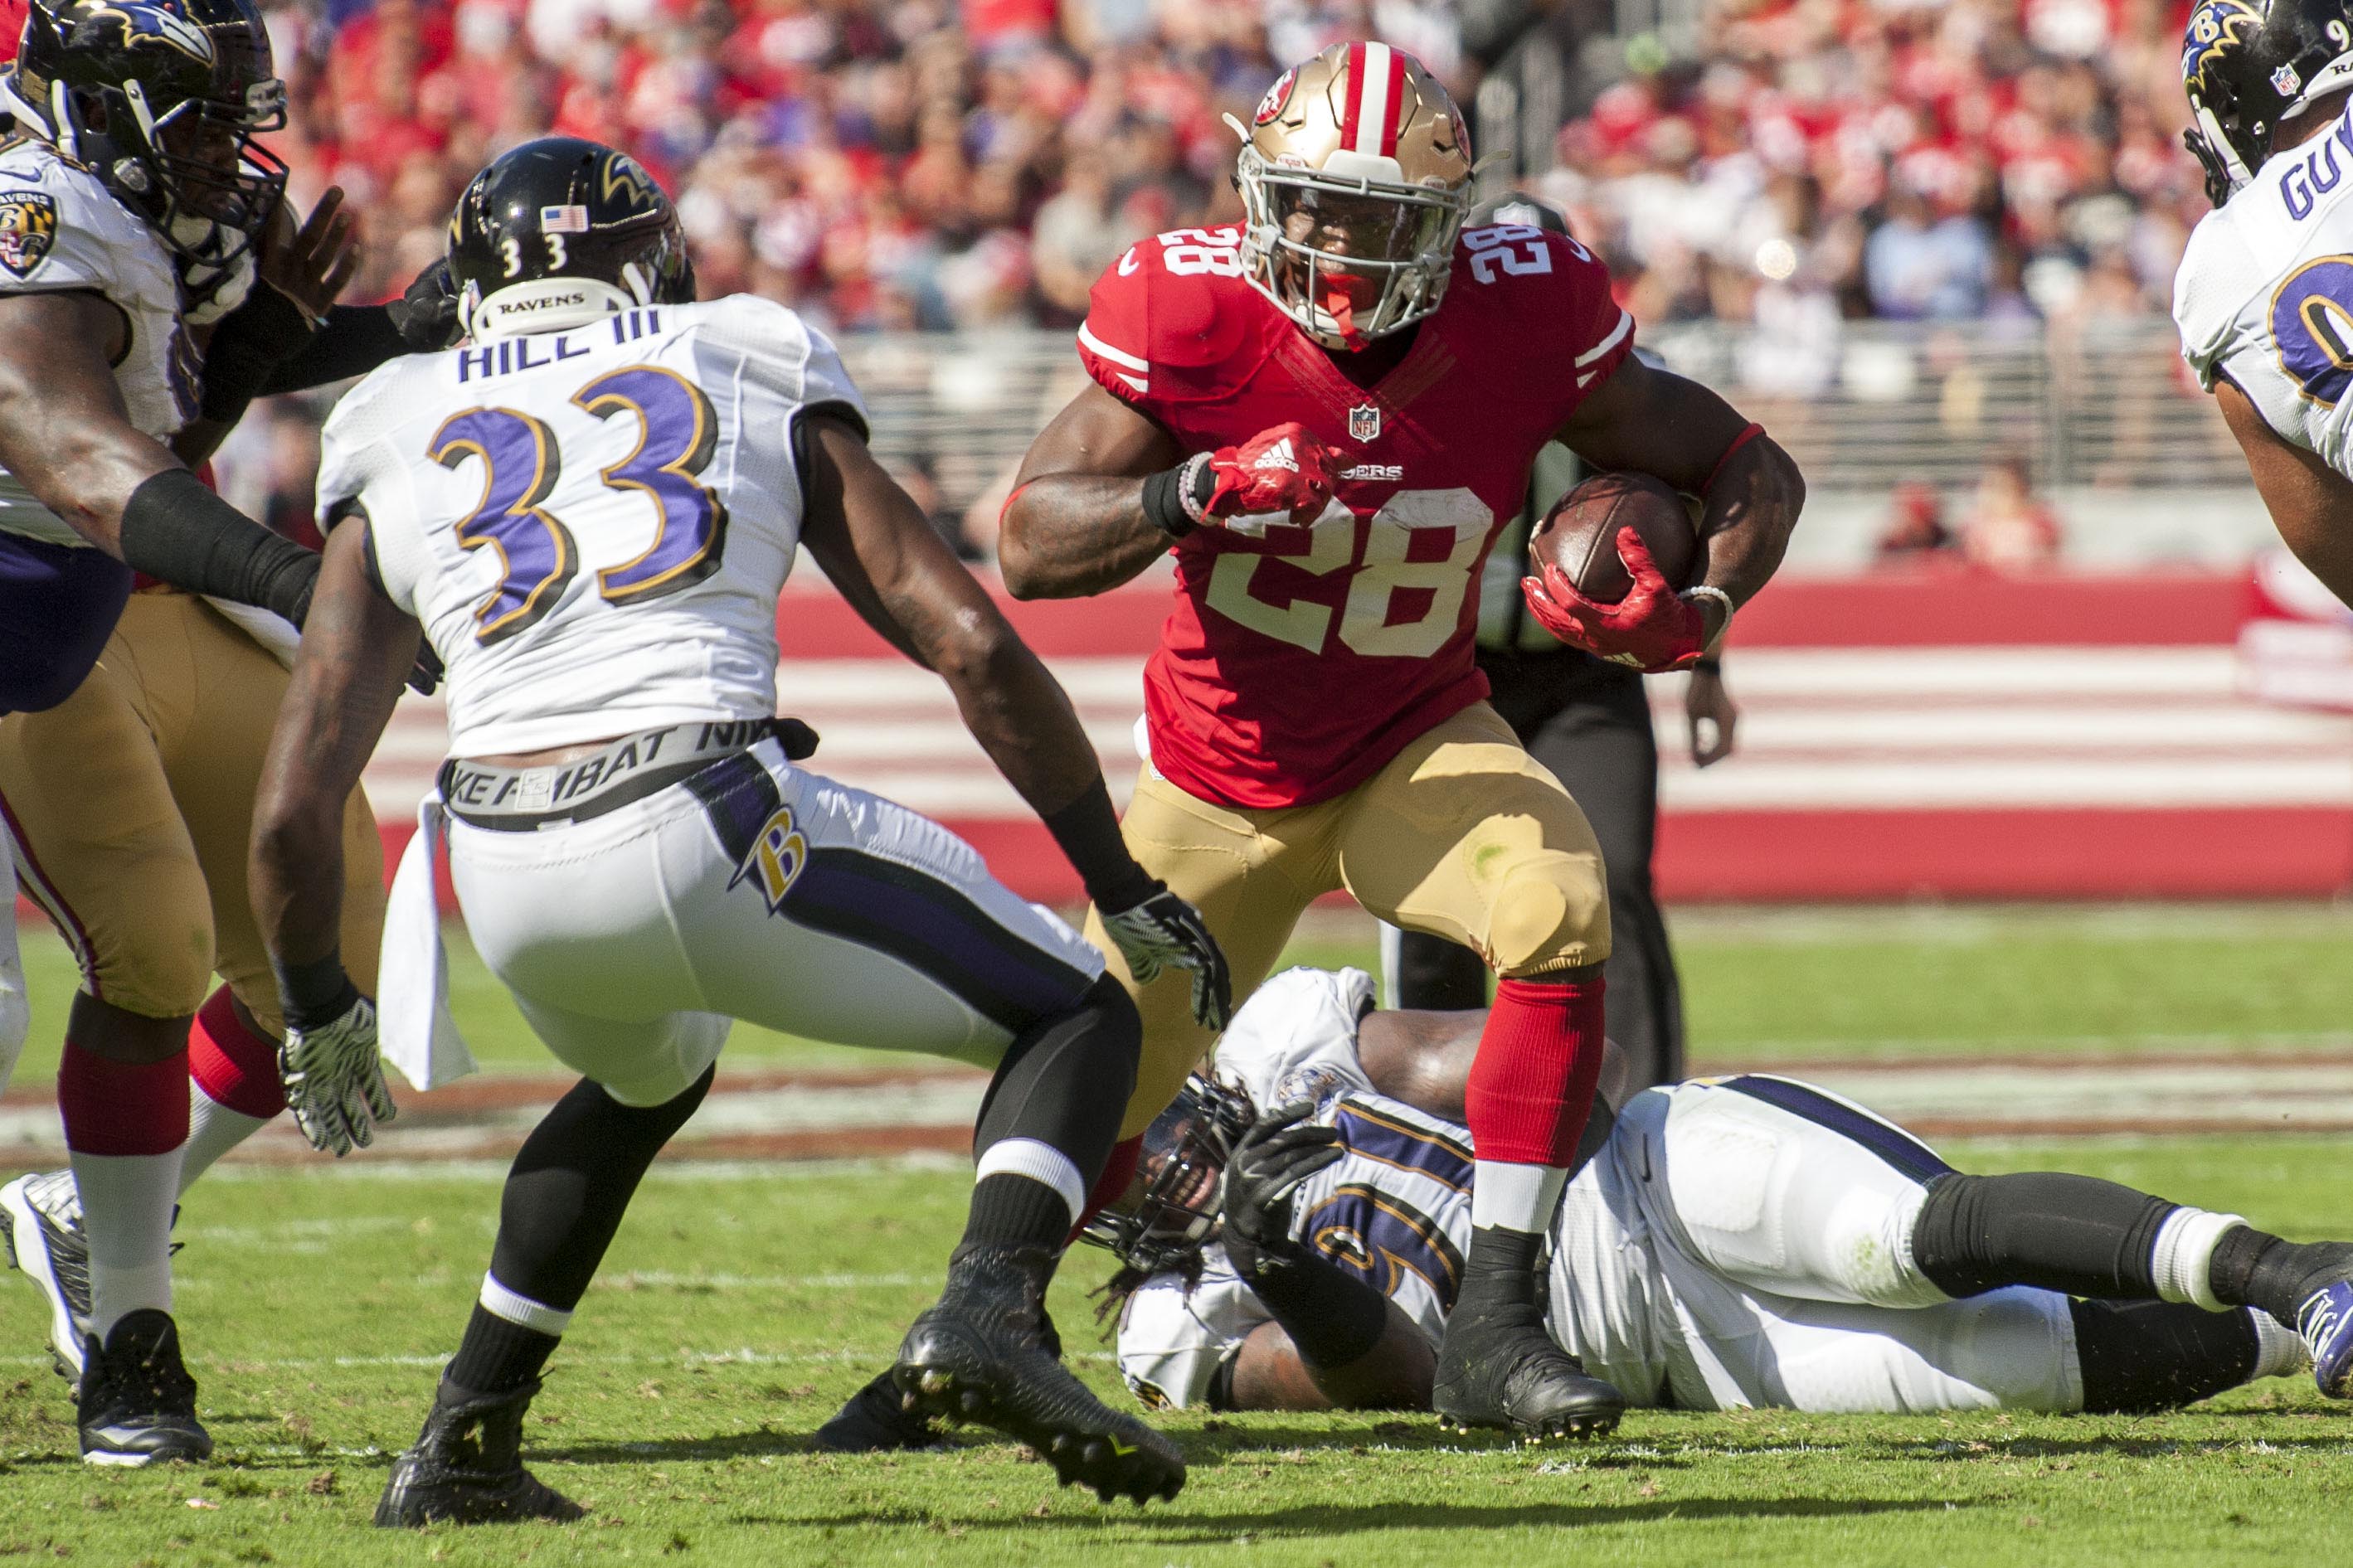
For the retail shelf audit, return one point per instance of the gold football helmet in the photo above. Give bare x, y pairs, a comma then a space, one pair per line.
1354, 177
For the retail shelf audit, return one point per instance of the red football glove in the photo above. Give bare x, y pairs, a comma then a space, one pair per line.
1651, 629
1283, 470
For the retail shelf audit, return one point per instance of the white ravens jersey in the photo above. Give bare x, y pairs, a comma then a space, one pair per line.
591, 525
60, 231
2265, 297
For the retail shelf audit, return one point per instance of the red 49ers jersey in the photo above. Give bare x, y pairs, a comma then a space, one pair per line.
1296, 661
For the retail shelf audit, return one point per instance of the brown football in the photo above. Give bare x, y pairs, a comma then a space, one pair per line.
1580, 536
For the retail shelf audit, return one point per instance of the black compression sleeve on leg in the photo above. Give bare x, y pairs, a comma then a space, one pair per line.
2140, 1356
571, 1184
1065, 1081
2076, 1234
175, 530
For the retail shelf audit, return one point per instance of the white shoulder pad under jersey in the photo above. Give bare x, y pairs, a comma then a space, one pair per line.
2265, 297
591, 525
61, 231
1296, 1039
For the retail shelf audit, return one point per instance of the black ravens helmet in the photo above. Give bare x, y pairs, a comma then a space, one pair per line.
560, 231
163, 99
2251, 65
1182, 1172
1518, 208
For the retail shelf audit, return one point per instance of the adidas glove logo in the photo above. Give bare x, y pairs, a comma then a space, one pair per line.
1278, 455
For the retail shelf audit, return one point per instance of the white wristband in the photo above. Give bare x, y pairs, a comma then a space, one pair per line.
1706, 591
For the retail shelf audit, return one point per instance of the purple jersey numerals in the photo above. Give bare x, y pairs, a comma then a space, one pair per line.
679, 432
520, 467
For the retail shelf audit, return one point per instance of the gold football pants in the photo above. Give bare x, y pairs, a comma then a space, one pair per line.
132, 803
1463, 834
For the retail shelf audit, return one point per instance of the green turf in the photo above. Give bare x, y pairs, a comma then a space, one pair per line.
1778, 985
739, 1306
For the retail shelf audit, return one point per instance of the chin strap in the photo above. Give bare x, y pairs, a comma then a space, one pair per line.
1343, 312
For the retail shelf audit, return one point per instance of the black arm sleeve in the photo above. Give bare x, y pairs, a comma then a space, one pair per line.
1332, 1318
356, 340
175, 530
247, 348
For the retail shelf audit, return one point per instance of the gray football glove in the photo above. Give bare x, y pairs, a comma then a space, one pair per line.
334, 1080
1164, 932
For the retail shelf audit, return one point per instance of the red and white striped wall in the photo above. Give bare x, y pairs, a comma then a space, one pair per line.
1903, 736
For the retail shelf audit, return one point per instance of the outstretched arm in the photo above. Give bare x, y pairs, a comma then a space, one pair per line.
1076, 524
1655, 422
2311, 503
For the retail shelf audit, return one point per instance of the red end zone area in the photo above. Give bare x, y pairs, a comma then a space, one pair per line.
1903, 736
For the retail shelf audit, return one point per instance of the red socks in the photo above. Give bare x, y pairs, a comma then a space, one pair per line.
117, 1108
1531, 1089
232, 1064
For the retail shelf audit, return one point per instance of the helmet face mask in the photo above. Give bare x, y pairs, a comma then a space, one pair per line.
561, 231
164, 101
1353, 180
1174, 1208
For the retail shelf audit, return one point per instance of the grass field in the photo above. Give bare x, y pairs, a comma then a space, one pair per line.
741, 1303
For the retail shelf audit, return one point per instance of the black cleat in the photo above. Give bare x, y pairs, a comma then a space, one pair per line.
137, 1403
467, 1466
982, 1355
1502, 1369
875, 1421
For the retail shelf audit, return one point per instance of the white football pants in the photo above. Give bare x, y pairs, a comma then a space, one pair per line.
759, 891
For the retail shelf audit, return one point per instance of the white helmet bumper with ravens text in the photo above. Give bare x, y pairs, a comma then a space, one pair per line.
559, 232
2250, 66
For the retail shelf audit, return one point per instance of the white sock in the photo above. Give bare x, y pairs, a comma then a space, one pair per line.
1041, 1162
2279, 1352
126, 1216
214, 1130
2182, 1260
1515, 1197
519, 1309
16, 1010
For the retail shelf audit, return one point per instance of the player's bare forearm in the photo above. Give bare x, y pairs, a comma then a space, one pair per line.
2311, 503
1076, 524
357, 650
877, 548
65, 433
1655, 422
1397, 1374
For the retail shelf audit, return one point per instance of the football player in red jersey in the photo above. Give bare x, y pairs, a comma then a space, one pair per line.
1328, 412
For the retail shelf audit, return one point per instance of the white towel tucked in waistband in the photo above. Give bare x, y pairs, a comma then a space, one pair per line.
414, 1028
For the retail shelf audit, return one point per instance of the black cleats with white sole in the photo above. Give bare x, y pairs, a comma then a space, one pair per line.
467, 1466
1502, 1370
40, 1229
876, 1420
982, 1355
137, 1403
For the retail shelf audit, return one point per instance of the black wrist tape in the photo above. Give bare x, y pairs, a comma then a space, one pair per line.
314, 993
248, 344
1088, 831
1163, 498
1333, 1317
175, 530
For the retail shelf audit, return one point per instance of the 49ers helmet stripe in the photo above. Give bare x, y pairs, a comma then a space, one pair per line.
1376, 92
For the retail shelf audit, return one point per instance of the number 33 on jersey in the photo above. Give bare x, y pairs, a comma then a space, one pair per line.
1298, 661
577, 515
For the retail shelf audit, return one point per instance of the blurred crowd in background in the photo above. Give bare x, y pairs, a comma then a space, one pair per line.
923, 163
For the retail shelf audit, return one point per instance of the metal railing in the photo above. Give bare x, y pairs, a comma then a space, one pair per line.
1861, 405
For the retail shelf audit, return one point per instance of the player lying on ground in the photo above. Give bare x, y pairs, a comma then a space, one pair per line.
590, 510
2264, 296
1733, 1242
1327, 413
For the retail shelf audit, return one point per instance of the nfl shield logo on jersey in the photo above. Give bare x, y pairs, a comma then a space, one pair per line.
28, 226
1365, 422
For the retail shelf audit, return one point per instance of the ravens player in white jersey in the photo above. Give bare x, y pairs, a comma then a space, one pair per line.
589, 508
1751, 1241
2265, 297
